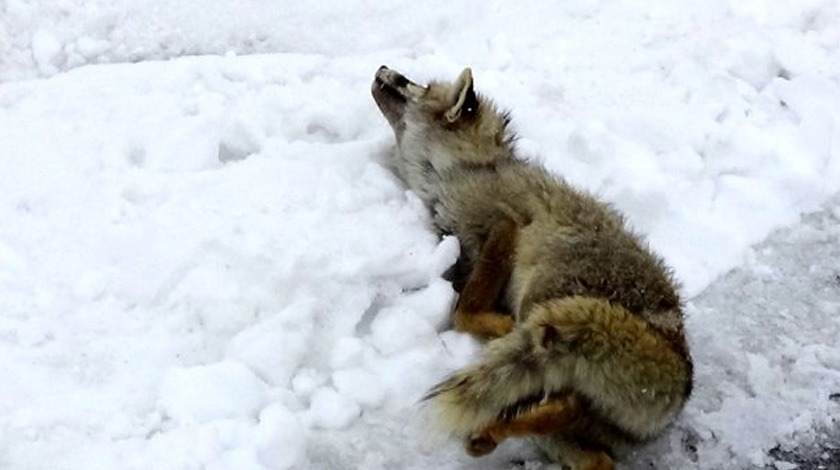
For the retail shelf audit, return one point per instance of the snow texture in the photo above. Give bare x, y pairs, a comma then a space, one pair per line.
206, 263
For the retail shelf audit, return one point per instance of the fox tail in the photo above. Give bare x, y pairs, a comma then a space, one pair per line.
632, 374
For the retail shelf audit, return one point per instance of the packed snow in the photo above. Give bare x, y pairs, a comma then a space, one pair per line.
205, 261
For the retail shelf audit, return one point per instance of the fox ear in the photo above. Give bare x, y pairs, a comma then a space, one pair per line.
463, 97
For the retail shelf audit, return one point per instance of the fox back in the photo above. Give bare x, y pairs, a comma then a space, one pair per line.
455, 150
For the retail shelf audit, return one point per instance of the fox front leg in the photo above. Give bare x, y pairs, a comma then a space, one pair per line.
475, 313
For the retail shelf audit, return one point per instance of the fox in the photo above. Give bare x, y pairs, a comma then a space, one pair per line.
584, 351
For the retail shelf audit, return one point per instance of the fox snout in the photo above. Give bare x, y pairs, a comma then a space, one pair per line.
392, 92
392, 79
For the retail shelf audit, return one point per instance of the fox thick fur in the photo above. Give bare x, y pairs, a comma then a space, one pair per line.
587, 350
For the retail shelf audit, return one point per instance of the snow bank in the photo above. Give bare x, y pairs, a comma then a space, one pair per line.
205, 262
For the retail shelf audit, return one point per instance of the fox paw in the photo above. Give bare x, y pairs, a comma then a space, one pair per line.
478, 445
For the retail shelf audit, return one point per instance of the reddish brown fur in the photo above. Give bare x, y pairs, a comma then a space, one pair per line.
474, 312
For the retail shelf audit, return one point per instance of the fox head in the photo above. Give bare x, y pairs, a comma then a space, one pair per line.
444, 123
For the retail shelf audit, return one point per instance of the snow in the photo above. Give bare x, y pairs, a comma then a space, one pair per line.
206, 262
280, 438
201, 394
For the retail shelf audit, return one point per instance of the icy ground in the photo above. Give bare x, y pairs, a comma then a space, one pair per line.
204, 262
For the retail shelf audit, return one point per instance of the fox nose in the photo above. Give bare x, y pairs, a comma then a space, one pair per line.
382, 68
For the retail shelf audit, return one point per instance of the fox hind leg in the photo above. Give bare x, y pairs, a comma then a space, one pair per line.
475, 313
545, 417
545, 421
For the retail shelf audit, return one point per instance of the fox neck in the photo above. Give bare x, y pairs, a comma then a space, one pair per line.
431, 176
448, 160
